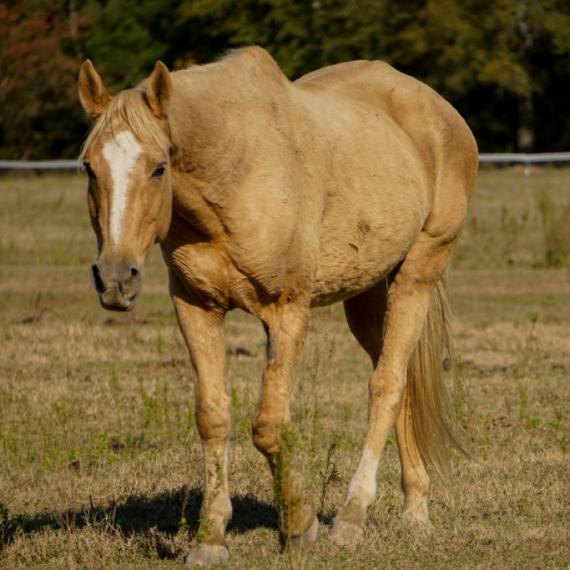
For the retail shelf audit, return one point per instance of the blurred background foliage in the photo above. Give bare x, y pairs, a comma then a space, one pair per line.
503, 63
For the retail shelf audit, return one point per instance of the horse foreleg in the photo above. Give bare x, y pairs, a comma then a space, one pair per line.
285, 327
203, 332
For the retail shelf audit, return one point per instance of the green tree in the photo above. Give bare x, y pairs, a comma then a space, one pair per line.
301, 35
127, 37
38, 114
481, 52
285, 28
504, 64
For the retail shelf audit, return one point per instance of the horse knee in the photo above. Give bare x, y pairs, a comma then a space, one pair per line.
266, 434
213, 419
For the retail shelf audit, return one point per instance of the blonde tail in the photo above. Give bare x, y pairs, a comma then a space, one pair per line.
433, 427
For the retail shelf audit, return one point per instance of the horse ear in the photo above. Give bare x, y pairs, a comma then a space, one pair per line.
92, 93
158, 89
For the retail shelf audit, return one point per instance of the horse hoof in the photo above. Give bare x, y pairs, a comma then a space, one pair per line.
207, 555
306, 539
345, 533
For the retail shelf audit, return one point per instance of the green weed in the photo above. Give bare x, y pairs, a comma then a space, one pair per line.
556, 229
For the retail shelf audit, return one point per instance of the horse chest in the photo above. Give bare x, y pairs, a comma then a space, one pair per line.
200, 269
206, 272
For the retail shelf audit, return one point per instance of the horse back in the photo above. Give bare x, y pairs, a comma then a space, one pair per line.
436, 129
402, 157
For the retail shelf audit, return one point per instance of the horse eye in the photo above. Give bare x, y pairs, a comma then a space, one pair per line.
158, 171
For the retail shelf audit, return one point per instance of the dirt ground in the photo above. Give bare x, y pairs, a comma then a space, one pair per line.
100, 461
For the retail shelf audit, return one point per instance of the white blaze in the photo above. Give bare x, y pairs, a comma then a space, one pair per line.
121, 154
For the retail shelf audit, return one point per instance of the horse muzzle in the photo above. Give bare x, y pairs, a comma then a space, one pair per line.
117, 283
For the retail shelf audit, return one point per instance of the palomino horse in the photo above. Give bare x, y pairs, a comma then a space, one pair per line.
350, 184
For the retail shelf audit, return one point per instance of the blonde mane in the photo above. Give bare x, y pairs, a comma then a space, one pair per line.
128, 110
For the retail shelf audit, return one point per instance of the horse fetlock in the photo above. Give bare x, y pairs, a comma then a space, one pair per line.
416, 495
215, 515
305, 539
213, 527
416, 515
297, 520
362, 488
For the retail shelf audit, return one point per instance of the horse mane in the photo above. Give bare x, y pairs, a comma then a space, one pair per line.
128, 109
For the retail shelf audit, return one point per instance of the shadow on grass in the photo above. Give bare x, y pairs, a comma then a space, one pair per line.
168, 513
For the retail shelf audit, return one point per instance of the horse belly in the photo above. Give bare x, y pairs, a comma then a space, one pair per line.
365, 233
348, 268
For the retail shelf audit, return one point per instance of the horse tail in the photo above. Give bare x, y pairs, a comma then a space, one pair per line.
433, 423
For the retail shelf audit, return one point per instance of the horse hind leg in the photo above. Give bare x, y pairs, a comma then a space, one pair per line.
390, 346
425, 428
415, 479
365, 315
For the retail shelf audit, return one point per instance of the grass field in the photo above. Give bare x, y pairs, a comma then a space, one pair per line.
100, 462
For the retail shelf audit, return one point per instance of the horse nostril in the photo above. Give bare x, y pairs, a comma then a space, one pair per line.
97, 281
135, 272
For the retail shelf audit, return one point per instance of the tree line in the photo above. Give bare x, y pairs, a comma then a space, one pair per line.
504, 64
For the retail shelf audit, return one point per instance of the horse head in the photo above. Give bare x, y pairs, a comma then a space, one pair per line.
127, 159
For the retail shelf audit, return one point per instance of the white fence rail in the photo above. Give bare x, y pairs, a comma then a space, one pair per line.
39, 165
484, 158
521, 158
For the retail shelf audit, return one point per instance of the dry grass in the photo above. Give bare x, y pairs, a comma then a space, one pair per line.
100, 460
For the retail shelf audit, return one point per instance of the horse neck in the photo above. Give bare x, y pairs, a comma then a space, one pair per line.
203, 124
209, 159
